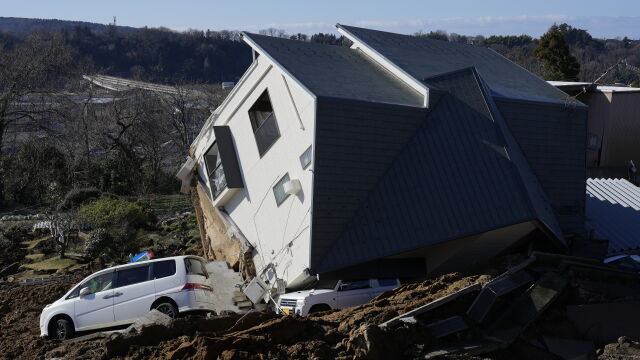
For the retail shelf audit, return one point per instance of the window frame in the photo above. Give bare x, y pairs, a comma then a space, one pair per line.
209, 173
308, 150
368, 286
281, 183
117, 276
155, 263
187, 268
75, 293
256, 128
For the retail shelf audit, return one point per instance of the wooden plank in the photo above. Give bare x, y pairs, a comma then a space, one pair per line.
432, 305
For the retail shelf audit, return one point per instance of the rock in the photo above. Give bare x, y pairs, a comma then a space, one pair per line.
622, 340
153, 317
366, 342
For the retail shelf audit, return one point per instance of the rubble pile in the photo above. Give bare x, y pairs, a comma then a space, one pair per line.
543, 307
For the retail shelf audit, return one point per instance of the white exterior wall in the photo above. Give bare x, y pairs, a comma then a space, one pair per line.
280, 234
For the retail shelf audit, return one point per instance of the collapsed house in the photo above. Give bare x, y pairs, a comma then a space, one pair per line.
399, 156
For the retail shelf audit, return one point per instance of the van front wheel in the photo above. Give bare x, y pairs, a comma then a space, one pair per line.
63, 329
168, 309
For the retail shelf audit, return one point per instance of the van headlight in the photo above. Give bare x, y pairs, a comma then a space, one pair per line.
300, 303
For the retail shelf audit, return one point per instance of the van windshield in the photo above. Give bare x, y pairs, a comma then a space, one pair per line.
195, 266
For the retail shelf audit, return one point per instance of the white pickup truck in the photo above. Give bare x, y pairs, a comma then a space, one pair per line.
334, 294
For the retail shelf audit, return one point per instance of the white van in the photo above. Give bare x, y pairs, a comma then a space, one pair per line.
119, 295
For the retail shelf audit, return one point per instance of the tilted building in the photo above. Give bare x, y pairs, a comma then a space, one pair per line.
396, 156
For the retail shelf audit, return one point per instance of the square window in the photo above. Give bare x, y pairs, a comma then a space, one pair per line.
264, 123
278, 190
305, 158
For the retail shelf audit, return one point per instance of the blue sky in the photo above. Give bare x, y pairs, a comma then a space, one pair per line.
610, 18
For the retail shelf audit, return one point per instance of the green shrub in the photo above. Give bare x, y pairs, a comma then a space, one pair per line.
98, 243
78, 196
115, 213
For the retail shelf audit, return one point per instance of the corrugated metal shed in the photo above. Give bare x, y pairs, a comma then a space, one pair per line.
613, 213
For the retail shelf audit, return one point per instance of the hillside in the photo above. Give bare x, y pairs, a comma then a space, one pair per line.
166, 56
20, 26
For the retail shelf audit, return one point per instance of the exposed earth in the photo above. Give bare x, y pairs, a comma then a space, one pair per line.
345, 334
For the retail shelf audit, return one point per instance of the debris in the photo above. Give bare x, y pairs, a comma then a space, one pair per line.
143, 256
527, 307
153, 317
428, 319
431, 305
448, 326
604, 323
501, 286
571, 349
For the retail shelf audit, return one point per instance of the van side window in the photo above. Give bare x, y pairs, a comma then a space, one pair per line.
132, 275
163, 269
96, 284
195, 266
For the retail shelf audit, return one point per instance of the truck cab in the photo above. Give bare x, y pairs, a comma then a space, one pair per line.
334, 294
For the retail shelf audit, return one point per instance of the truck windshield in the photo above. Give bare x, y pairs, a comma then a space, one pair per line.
326, 284
195, 266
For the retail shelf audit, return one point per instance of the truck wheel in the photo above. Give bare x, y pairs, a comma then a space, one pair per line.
63, 329
319, 307
168, 309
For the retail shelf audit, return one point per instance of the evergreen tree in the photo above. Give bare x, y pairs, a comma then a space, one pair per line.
553, 55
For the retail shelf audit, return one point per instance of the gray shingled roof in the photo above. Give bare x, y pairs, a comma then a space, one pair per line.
461, 174
337, 71
423, 58
613, 213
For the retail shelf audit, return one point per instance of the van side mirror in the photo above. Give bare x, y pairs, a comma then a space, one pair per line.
84, 292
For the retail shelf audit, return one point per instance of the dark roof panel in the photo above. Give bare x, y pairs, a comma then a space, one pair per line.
423, 58
337, 71
355, 144
458, 176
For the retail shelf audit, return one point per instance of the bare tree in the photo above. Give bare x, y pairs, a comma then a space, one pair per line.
26, 69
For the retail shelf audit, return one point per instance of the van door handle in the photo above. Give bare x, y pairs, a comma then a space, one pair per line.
118, 294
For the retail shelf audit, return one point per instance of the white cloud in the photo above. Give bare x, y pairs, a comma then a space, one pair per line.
534, 25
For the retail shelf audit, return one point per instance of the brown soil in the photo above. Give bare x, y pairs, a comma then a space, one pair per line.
624, 349
20, 307
344, 334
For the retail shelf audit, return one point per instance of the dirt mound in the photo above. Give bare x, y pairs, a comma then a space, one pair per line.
20, 308
624, 349
541, 331
343, 334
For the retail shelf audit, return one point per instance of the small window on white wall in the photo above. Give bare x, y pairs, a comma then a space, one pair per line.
305, 158
278, 190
